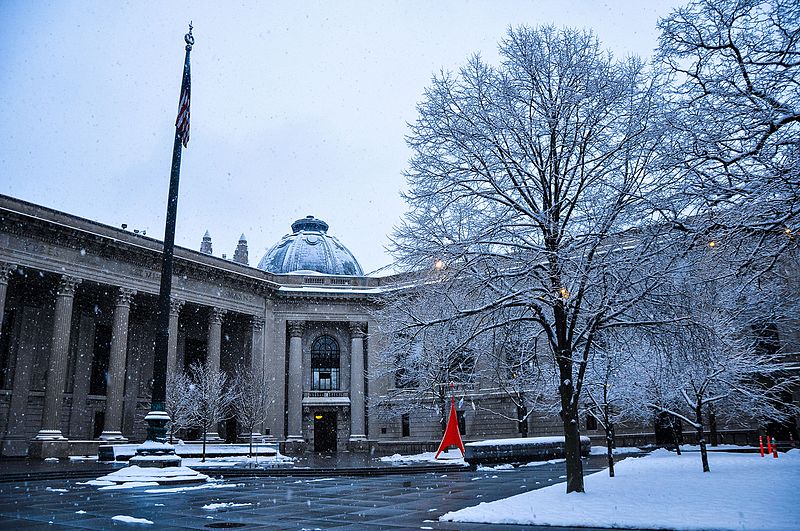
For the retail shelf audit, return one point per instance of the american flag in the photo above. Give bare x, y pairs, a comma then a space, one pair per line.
182, 122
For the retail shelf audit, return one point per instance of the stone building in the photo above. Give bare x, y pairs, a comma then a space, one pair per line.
77, 314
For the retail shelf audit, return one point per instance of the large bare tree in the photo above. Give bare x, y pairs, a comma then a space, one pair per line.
531, 187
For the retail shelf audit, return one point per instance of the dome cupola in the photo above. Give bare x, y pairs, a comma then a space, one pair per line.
309, 248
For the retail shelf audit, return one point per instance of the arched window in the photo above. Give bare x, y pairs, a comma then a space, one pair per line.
324, 364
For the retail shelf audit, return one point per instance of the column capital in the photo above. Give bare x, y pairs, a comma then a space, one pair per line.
67, 285
215, 315
296, 328
256, 323
357, 329
5, 271
124, 296
175, 305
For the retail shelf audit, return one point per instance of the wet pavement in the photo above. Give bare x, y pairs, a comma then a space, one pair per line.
413, 501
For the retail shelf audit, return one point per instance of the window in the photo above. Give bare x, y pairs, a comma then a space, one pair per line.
324, 364
462, 424
405, 423
522, 420
100, 354
591, 422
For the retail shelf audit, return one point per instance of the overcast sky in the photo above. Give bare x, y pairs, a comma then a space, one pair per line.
298, 108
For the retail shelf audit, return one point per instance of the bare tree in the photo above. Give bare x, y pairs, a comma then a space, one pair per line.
611, 379
212, 398
180, 403
250, 389
531, 182
737, 119
717, 358
424, 365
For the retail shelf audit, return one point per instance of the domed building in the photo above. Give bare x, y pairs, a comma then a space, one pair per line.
310, 249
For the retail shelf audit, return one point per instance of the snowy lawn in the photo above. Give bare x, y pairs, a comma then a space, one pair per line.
622, 450
235, 461
448, 456
663, 491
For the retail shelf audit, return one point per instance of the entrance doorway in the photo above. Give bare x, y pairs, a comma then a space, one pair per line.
325, 432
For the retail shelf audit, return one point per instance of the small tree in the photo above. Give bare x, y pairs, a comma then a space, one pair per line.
610, 378
251, 399
213, 398
180, 403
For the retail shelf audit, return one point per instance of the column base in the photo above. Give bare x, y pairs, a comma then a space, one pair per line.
50, 435
358, 444
112, 436
48, 449
294, 446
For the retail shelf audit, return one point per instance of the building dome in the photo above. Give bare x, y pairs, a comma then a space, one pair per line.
309, 248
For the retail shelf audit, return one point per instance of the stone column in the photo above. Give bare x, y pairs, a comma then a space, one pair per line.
357, 430
112, 429
175, 306
257, 365
57, 364
295, 396
214, 336
5, 272
213, 347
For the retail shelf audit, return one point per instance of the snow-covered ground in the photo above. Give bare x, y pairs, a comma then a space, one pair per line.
665, 491
524, 441
448, 456
135, 476
622, 450
236, 461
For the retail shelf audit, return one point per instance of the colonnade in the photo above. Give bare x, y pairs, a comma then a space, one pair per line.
59, 354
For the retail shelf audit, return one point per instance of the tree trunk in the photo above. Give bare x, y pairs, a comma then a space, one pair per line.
712, 425
701, 436
675, 435
572, 450
250, 436
205, 432
609, 440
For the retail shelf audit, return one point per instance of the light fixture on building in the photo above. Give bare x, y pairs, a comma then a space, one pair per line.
438, 265
712, 244
318, 416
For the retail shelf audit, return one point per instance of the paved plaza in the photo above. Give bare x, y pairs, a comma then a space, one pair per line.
413, 501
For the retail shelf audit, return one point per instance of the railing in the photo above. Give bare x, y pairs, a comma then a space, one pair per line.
326, 394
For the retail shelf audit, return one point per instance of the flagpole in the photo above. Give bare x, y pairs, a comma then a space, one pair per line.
157, 418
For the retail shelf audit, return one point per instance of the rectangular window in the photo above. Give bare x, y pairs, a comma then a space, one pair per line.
405, 425
591, 422
522, 420
325, 379
462, 424
101, 351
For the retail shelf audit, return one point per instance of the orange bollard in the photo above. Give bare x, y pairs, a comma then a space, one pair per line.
774, 448
769, 444
761, 444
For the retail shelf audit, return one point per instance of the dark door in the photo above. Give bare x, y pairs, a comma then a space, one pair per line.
325, 432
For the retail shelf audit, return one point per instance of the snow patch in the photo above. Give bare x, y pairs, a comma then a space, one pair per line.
131, 520
223, 505
450, 456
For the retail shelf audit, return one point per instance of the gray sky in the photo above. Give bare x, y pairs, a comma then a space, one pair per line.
297, 107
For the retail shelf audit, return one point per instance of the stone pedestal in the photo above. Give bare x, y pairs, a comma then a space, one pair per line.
43, 449
358, 445
294, 447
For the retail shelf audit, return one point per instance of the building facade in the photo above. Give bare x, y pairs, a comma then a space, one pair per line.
77, 310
